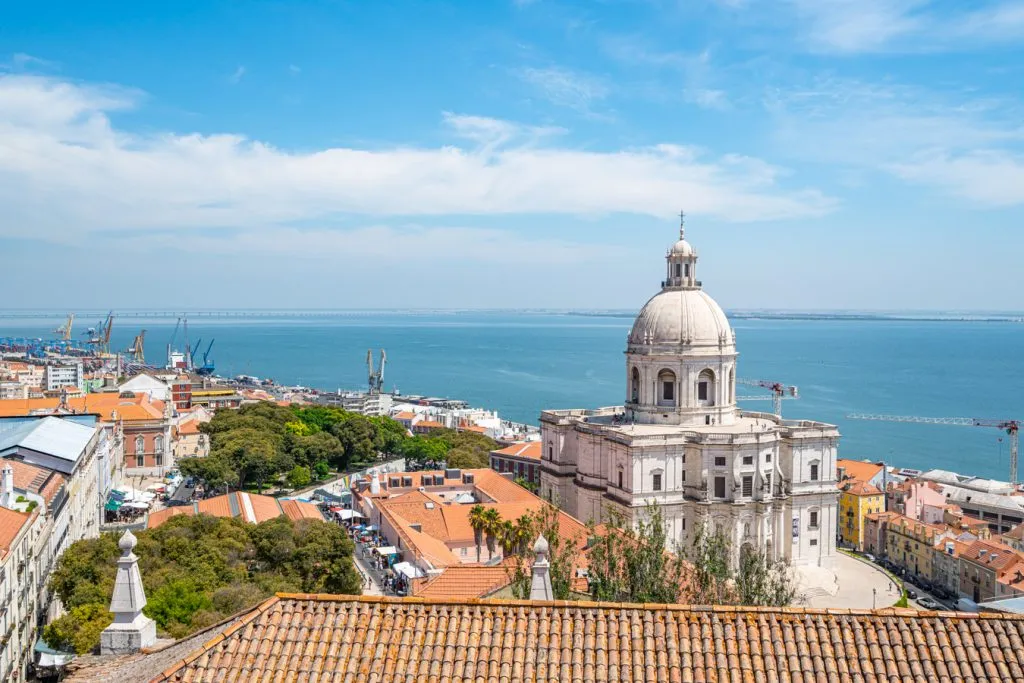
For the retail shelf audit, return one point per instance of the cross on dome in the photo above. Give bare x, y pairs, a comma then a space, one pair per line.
682, 224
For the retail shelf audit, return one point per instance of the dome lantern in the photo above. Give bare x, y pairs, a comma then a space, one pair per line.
681, 261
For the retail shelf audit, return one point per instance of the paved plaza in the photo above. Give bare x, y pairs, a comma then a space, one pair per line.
851, 584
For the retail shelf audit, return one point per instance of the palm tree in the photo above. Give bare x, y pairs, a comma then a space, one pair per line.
492, 527
506, 536
523, 534
478, 522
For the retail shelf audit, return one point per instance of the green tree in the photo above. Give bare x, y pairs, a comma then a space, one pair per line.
299, 476
630, 563
755, 581
478, 520
422, 449
526, 484
214, 471
321, 469
492, 530
199, 570
79, 629
563, 553
172, 605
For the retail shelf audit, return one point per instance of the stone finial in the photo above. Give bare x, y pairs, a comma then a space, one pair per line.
131, 630
540, 586
375, 484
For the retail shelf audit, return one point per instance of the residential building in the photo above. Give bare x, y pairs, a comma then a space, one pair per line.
681, 442
990, 570
249, 507
143, 383
64, 375
909, 544
425, 515
875, 527
873, 473
946, 563
374, 638
857, 500
13, 390
521, 459
909, 497
19, 528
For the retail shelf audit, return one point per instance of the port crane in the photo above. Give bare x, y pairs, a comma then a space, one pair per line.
779, 391
376, 379
1011, 427
207, 367
65, 330
101, 340
136, 349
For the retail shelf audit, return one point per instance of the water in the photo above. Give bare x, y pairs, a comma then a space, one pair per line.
520, 363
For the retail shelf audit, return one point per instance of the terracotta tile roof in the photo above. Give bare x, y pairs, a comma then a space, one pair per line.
189, 428
429, 424
1016, 533
527, 449
983, 552
43, 482
105, 405
464, 582
344, 638
250, 507
859, 488
297, 509
405, 415
11, 523
858, 469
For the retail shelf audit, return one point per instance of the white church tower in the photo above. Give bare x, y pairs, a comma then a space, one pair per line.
681, 442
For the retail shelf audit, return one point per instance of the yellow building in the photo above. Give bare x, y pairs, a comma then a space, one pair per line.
909, 543
857, 500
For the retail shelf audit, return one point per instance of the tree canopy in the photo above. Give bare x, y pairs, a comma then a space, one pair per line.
197, 571
261, 443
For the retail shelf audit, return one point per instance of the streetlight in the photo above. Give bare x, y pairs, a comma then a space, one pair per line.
874, 592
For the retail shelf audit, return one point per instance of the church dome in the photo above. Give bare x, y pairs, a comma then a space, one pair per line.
681, 317
682, 248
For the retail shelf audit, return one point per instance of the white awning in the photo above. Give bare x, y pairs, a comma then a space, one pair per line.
349, 514
387, 550
410, 570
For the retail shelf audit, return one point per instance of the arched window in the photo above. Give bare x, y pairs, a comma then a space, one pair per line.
706, 388
666, 388
140, 445
732, 386
634, 389
158, 444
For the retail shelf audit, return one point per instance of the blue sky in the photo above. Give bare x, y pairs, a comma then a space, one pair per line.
830, 154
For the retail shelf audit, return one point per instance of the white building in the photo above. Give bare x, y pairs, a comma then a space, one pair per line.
57, 376
681, 442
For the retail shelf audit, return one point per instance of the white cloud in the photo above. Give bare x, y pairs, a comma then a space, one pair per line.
69, 172
566, 88
237, 76
855, 26
970, 147
990, 177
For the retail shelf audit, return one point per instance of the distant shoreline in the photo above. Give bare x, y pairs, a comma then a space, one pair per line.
839, 317
297, 313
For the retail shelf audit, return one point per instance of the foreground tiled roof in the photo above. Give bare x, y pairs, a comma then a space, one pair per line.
343, 638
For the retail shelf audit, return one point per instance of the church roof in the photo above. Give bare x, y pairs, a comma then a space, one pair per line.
370, 638
675, 317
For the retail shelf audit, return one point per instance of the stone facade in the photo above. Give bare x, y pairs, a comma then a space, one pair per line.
680, 441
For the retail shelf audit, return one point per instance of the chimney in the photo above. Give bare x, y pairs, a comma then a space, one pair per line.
375, 484
132, 630
7, 498
540, 587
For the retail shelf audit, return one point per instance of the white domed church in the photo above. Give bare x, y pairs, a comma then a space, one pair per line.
681, 442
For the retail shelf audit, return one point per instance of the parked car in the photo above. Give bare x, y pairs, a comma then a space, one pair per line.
928, 603
869, 557
911, 593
